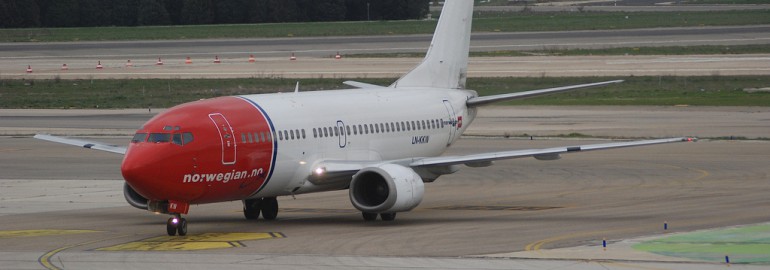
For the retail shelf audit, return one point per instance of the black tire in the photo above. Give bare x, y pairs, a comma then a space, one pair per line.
269, 208
388, 216
251, 208
369, 216
182, 227
170, 227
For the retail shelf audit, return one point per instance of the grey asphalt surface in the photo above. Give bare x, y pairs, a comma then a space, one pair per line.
578, 200
508, 207
17, 53
315, 54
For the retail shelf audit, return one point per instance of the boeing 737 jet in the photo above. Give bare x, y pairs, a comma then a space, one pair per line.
382, 143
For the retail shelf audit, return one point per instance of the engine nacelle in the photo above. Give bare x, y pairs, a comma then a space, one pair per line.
133, 198
387, 188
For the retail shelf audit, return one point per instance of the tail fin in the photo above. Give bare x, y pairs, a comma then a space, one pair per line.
446, 64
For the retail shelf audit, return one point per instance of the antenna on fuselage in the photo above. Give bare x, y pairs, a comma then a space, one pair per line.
296, 89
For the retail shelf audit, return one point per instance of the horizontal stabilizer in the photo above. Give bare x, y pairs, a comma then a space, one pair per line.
362, 85
479, 101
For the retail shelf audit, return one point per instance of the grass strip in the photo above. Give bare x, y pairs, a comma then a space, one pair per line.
670, 50
658, 91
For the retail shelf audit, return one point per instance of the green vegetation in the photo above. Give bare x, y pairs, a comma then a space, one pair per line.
129, 93
664, 91
495, 22
563, 21
745, 244
648, 90
673, 50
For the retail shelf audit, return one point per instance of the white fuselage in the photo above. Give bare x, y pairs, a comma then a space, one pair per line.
376, 124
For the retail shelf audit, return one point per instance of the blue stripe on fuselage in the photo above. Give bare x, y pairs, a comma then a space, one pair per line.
275, 144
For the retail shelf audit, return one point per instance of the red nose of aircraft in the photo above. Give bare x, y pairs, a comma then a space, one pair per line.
159, 155
206, 151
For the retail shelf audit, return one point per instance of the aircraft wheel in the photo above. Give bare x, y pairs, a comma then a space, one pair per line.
171, 227
251, 208
388, 216
369, 216
182, 227
269, 208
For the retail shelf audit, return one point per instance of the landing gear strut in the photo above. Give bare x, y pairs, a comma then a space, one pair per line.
268, 207
176, 224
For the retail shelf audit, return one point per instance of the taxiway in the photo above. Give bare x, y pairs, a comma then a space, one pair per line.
62, 207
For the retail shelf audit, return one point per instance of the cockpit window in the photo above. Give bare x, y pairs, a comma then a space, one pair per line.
139, 137
177, 139
159, 137
187, 137
182, 138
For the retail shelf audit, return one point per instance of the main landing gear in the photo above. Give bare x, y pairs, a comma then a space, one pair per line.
176, 224
267, 206
383, 216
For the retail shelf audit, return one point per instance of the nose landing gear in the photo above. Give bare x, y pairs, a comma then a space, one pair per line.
176, 224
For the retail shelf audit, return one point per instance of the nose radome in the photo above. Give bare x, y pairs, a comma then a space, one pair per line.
131, 168
137, 171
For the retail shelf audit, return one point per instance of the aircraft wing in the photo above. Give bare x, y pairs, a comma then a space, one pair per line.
83, 143
541, 154
338, 171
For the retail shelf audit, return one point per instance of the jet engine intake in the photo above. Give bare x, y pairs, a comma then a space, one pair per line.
387, 188
133, 198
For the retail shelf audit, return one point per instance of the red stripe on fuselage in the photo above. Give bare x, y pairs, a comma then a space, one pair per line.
203, 170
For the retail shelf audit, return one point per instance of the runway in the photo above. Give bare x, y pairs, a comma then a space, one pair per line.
361, 68
326, 46
315, 56
72, 199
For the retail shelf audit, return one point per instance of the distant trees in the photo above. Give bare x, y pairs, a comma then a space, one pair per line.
19, 13
85, 13
197, 12
151, 12
386, 9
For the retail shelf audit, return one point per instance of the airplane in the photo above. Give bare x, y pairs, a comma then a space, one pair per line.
381, 143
